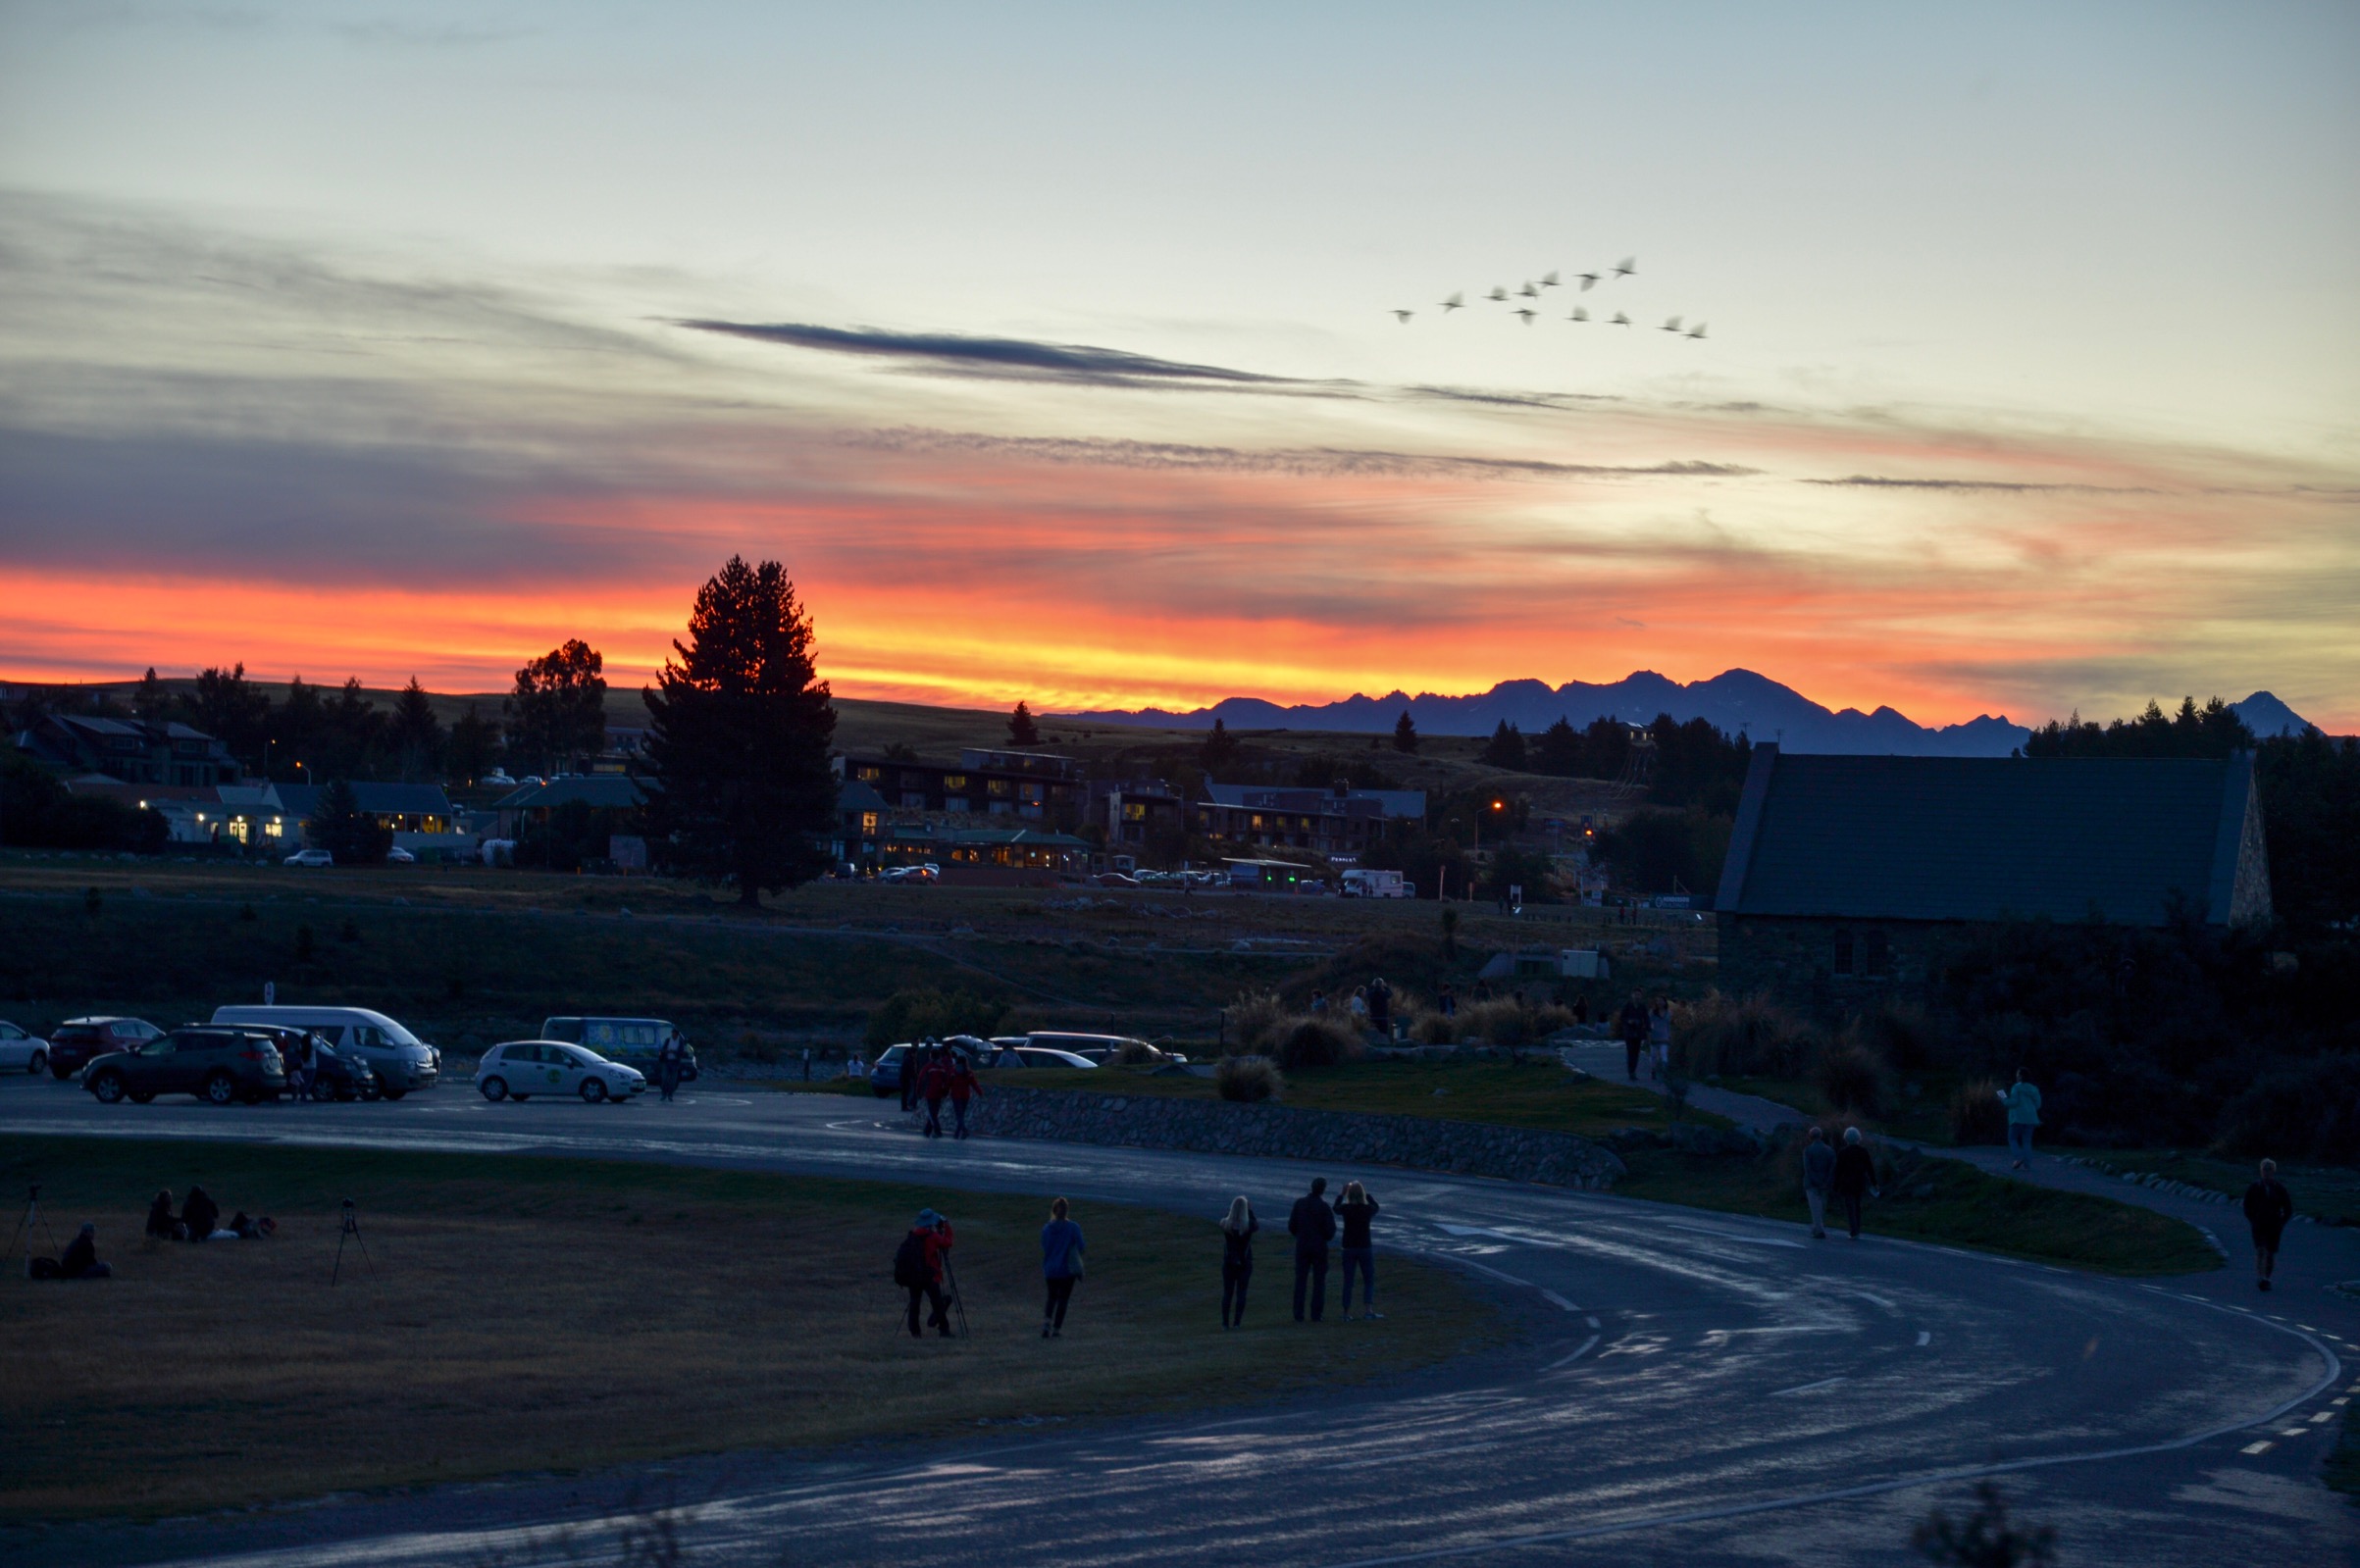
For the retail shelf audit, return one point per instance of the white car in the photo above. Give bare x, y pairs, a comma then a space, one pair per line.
22, 1049
310, 857
522, 1068
398, 856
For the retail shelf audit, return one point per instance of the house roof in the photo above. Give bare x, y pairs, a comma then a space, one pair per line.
854, 795
613, 789
302, 801
1281, 797
1994, 838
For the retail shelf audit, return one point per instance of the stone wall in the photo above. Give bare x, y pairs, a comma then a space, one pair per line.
1282, 1132
1793, 958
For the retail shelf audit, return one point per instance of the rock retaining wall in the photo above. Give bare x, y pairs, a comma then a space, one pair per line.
1282, 1132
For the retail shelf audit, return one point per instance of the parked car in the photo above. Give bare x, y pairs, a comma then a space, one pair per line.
77, 1042
885, 1072
23, 1048
1103, 1049
520, 1069
633, 1042
1115, 879
401, 1061
217, 1066
1042, 1056
925, 872
398, 856
310, 857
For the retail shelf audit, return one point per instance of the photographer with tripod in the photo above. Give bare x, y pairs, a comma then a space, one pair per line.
920, 1264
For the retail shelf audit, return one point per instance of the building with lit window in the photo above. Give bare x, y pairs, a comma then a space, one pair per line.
1032, 785
1338, 822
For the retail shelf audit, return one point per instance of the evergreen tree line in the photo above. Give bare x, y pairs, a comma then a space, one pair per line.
1690, 764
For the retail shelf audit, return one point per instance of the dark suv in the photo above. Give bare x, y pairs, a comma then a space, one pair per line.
216, 1065
77, 1042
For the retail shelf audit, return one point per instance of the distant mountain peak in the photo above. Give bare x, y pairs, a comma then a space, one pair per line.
2268, 717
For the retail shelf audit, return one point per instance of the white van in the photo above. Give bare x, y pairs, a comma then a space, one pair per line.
1365, 882
400, 1060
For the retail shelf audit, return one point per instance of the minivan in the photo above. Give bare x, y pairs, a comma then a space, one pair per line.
401, 1061
631, 1040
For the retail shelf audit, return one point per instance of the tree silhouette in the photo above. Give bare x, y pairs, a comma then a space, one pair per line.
1221, 749
558, 709
417, 733
1404, 734
1505, 749
1022, 731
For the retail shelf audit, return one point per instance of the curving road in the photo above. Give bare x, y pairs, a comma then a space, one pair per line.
1699, 1390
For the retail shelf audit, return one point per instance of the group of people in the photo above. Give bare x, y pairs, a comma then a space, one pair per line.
922, 1267
1646, 1029
200, 1220
933, 1073
1369, 1009
1314, 1222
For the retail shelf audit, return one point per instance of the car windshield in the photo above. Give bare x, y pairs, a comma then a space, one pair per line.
382, 1035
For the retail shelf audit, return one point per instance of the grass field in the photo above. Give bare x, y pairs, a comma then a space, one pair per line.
534, 1314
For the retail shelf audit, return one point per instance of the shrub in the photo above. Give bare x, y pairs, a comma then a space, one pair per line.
1511, 1021
2302, 1111
1433, 1029
1315, 1043
911, 1014
1247, 1079
1752, 1037
1976, 1115
1898, 1034
1851, 1078
1134, 1053
1256, 1021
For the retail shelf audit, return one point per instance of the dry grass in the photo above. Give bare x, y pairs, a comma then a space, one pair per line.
532, 1314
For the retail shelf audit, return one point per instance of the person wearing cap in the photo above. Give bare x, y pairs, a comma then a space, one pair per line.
81, 1260
933, 1238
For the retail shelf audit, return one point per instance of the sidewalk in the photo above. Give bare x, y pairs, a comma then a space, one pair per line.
1603, 1060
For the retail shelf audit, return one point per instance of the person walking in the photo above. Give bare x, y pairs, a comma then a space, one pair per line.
1312, 1225
1854, 1178
965, 1086
1236, 1260
1659, 1037
934, 1084
1353, 1214
667, 1066
1819, 1176
2022, 1100
918, 1268
906, 1076
1633, 1023
2268, 1208
1061, 1249
1380, 1007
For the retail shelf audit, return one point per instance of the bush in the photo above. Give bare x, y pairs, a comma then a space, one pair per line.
1315, 1043
1851, 1078
1898, 1034
1134, 1053
1513, 1021
1256, 1021
1247, 1079
2306, 1111
1753, 1037
1433, 1029
912, 1015
1975, 1114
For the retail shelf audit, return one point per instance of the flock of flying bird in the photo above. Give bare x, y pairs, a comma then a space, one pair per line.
1627, 266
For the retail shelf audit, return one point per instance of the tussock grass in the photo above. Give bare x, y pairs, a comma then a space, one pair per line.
537, 1314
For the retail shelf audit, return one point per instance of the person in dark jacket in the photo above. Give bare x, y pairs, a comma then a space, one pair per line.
668, 1065
907, 1076
161, 1226
932, 1233
965, 1086
1353, 1213
1631, 1022
1237, 1261
1061, 1249
200, 1216
81, 1258
2268, 1208
1855, 1177
933, 1084
1312, 1225
1380, 1007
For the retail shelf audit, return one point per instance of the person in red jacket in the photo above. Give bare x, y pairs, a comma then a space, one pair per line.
965, 1086
918, 1268
934, 1084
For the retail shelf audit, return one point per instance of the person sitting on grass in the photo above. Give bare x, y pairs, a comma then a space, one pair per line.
199, 1215
81, 1259
161, 1226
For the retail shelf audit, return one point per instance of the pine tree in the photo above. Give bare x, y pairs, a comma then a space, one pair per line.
473, 746
1022, 731
1404, 734
417, 733
1220, 750
739, 736
1505, 749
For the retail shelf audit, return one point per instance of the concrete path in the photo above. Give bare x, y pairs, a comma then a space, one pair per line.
1605, 1059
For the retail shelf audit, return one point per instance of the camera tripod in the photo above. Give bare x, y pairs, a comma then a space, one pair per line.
350, 1233
959, 1303
33, 1212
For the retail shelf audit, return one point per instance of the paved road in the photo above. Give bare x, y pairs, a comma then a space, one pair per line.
1700, 1390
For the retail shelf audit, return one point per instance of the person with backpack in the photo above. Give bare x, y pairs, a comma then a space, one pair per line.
2268, 1208
1353, 1213
1854, 1178
1819, 1178
1237, 1261
1061, 1249
965, 1086
1312, 1225
2022, 1100
918, 1268
934, 1084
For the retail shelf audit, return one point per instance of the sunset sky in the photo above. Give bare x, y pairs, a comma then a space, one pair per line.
1052, 350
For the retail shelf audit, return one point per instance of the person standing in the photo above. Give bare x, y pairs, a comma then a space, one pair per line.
1359, 1008
1312, 1225
1659, 1037
1380, 1007
1448, 1002
807, 1064
1236, 1260
1819, 1176
1633, 1023
918, 1268
667, 1065
1061, 1249
2268, 1208
964, 1087
906, 1073
1353, 1214
1853, 1177
934, 1083
2022, 1100
1319, 1003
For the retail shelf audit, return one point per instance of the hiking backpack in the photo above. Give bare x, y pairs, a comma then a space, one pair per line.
910, 1262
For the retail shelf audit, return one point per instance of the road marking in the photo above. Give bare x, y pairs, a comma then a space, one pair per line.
1732, 1235
1554, 1300
2258, 1447
1593, 1322
2339, 1401
2323, 1415
1924, 1338
1871, 1296
1576, 1355
1807, 1387
2295, 1432
1497, 1274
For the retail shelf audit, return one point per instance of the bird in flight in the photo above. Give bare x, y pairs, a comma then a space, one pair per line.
1579, 315
1672, 326
1699, 330
1454, 302
1627, 265
1549, 282
1589, 280
1497, 295
1403, 315
1526, 314
1529, 292
1621, 319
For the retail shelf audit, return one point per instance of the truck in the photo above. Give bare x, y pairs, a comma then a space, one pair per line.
1365, 882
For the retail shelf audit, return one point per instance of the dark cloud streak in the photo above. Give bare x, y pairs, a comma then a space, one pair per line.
1308, 462
1009, 358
